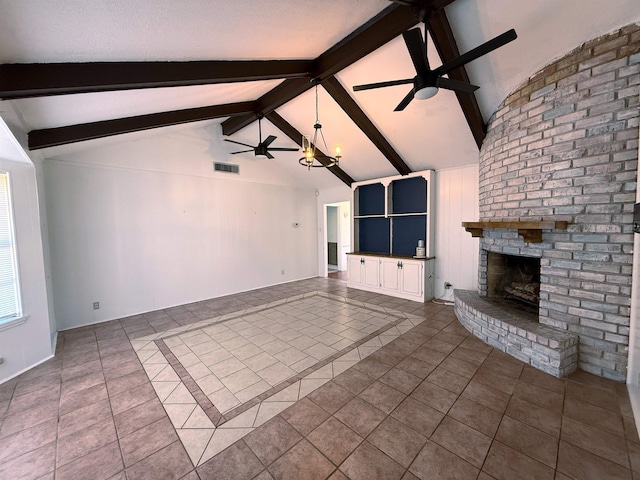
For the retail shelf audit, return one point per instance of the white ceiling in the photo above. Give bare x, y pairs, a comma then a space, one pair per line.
427, 134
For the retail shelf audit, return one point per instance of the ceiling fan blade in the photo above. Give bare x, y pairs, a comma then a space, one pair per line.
477, 52
405, 101
241, 151
268, 141
269, 156
456, 85
283, 149
239, 143
417, 50
391, 83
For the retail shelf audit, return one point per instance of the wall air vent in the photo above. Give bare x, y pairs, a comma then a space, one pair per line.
226, 167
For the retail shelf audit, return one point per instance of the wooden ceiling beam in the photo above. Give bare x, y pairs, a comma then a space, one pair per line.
291, 132
42, 79
51, 137
351, 108
381, 29
447, 48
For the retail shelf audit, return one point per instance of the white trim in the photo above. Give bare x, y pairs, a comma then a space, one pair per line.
4, 380
13, 322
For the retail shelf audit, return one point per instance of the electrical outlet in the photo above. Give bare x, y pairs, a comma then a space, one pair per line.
447, 285
96, 305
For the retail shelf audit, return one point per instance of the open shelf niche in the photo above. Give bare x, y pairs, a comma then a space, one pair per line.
391, 214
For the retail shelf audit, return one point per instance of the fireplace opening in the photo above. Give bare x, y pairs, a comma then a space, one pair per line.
514, 278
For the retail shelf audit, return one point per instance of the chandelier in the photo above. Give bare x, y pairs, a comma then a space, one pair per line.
313, 157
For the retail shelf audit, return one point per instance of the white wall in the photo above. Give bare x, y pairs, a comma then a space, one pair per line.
326, 196
145, 225
456, 251
26, 344
344, 243
332, 224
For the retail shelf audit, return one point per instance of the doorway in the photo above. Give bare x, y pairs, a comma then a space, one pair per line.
338, 238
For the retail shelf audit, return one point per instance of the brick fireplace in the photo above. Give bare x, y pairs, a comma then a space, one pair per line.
564, 147
515, 278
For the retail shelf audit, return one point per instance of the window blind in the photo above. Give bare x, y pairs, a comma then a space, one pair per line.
9, 298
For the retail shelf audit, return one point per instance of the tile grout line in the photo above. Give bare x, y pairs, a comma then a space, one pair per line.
217, 415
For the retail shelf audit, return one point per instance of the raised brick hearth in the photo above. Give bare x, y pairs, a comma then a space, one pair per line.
564, 147
504, 326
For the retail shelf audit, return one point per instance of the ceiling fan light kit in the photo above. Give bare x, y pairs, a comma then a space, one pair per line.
309, 146
427, 81
426, 93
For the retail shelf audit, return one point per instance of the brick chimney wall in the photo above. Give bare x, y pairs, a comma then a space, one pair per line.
564, 146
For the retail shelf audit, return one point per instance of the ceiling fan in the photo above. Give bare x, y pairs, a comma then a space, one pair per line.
262, 149
427, 82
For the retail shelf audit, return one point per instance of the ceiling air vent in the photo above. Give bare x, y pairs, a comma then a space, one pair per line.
226, 167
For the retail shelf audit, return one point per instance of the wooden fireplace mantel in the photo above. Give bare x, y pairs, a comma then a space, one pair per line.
531, 231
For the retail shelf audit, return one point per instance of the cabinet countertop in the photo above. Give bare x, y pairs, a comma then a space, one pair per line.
387, 255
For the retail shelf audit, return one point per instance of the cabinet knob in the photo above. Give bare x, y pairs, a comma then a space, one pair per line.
362, 260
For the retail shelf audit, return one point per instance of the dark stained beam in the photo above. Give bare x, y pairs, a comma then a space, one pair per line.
382, 28
291, 132
41, 79
51, 137
351, 108
271, 100
447, 48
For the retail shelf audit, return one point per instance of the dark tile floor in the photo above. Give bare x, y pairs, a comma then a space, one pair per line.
435, 403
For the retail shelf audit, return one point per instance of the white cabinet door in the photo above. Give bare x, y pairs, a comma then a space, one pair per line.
389, 274
372, 272
412, 275
354, 269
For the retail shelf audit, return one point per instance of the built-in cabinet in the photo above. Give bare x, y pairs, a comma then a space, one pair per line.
364, 271
399, 277
391, 216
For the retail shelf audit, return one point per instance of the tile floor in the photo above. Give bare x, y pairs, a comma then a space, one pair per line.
364, 387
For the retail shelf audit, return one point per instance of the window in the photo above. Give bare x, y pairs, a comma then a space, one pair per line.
10, 308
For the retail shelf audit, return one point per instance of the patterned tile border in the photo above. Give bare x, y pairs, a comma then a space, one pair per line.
202, 428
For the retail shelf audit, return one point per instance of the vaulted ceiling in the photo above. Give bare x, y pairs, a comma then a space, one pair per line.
87, 73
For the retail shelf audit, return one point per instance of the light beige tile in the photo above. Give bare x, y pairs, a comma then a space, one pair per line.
167, 374
221, 439
198, 419
179, 395
323, 372
276, 373
244, 420
195, 441
209, 384
179, 413
289, 394
308, 385
240, 380
223, 400
268, 410
164, 389
260, 361
198, 370
154, 369
252, 391
226, 367
304, 364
